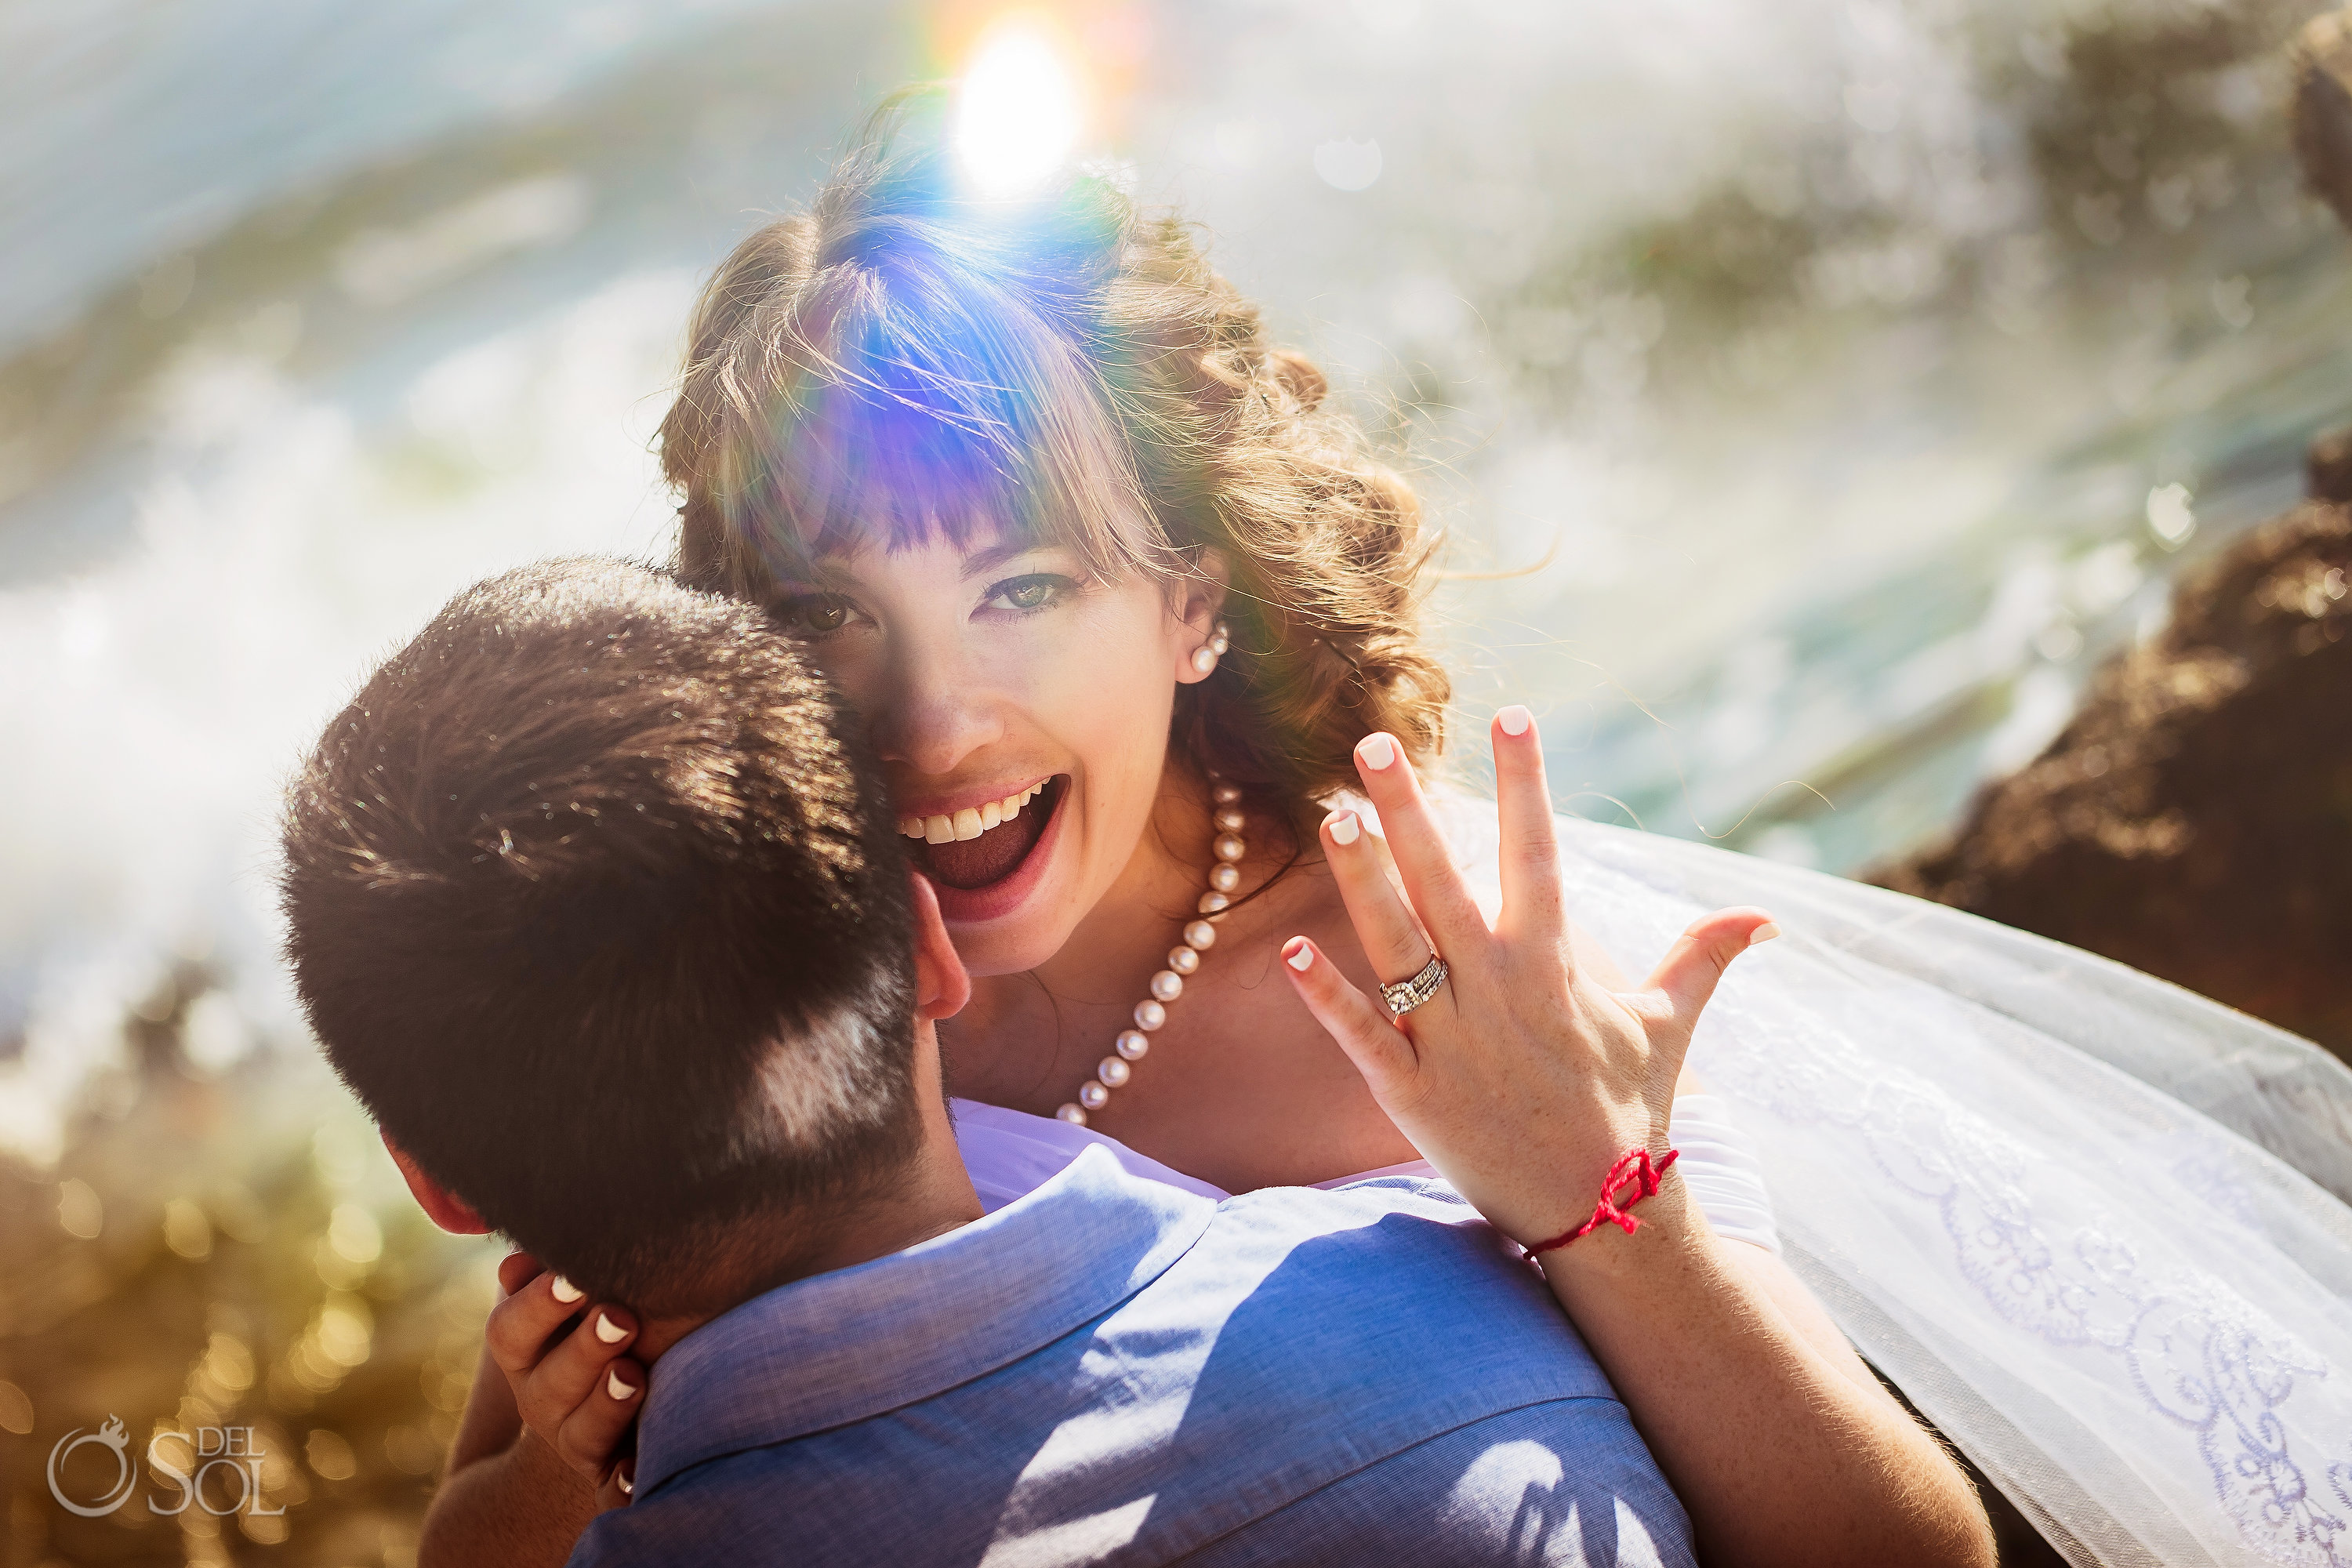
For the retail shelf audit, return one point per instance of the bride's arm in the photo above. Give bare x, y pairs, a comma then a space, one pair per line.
518, 1494
1762, 1268
1523, 1081
507, 1496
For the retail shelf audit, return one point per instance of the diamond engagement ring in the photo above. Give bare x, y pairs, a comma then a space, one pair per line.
1406, 994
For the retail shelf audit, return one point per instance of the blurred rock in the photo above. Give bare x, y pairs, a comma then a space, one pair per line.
2195, 818
2323, 108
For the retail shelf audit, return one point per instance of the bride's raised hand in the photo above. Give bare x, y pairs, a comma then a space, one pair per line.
1522, 1079
1525, 1079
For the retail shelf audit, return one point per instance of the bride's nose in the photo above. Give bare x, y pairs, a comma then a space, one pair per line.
936, 712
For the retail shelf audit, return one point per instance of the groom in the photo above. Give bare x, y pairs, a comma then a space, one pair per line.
596, 904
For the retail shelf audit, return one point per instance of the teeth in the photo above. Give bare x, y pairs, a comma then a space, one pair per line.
969, 822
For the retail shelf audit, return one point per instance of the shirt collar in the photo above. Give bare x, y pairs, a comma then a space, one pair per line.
842, 1346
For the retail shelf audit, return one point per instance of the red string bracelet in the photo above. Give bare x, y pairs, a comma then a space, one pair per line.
1632, 1171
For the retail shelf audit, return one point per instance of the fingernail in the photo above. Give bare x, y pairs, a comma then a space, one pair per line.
1344, 827
617, 1389
565, 1291
1514, 719
1764, 933
626, 1482
1298, 955
1377, 752
610, 1333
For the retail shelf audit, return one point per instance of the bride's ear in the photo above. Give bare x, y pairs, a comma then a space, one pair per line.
1197, 601
941, 985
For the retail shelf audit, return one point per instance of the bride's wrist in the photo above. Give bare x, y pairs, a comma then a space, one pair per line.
1667, 1225
1618, 1181
1534, 1179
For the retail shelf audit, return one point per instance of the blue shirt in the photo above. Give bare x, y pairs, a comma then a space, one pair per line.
1110, 1369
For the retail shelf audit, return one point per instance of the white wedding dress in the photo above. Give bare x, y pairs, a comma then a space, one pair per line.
2092, 1225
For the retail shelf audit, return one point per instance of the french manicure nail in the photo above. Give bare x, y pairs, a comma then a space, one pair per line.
1377, 751
626, 1482
565, 1291
1764, 933
1299, 956
1514, 719
617, 1389
610, 1333
1344, 827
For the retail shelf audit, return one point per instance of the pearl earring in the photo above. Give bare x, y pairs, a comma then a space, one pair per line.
1205, 656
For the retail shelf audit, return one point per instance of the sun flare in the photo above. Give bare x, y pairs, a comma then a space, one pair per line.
1019, 108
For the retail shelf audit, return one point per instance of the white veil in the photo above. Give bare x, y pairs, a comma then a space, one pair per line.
2093, 1226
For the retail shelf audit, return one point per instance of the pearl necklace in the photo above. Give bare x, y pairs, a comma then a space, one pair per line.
1200, 935
1184, 959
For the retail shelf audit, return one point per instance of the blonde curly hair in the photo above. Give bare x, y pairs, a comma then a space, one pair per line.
901, 360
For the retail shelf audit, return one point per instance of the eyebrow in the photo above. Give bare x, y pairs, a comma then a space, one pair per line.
997, 555
830, 577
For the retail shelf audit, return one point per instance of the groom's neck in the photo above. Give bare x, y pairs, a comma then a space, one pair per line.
928, 1196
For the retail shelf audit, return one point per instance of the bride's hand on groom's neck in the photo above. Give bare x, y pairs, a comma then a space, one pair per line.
566, 1359
524, 1475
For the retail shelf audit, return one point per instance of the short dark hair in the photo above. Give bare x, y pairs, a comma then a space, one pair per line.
594, 901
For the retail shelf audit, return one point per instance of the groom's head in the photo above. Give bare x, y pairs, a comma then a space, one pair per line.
596, 905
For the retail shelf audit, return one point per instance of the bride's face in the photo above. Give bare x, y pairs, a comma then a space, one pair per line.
1020, 709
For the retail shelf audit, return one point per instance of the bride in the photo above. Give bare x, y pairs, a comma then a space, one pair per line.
1130, 613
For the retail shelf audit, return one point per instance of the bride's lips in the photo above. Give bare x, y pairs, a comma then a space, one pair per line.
990, 901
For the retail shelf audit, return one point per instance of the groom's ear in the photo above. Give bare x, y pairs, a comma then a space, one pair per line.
442, 1207
941, 985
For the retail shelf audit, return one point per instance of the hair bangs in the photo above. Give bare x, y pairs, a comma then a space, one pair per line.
919, 416
895, 362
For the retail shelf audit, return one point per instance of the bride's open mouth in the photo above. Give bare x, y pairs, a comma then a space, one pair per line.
980, 846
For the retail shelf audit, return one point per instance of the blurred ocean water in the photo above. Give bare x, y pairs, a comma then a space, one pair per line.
1813, 391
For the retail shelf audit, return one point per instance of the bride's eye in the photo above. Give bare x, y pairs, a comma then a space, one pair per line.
813, 615
1035, 591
